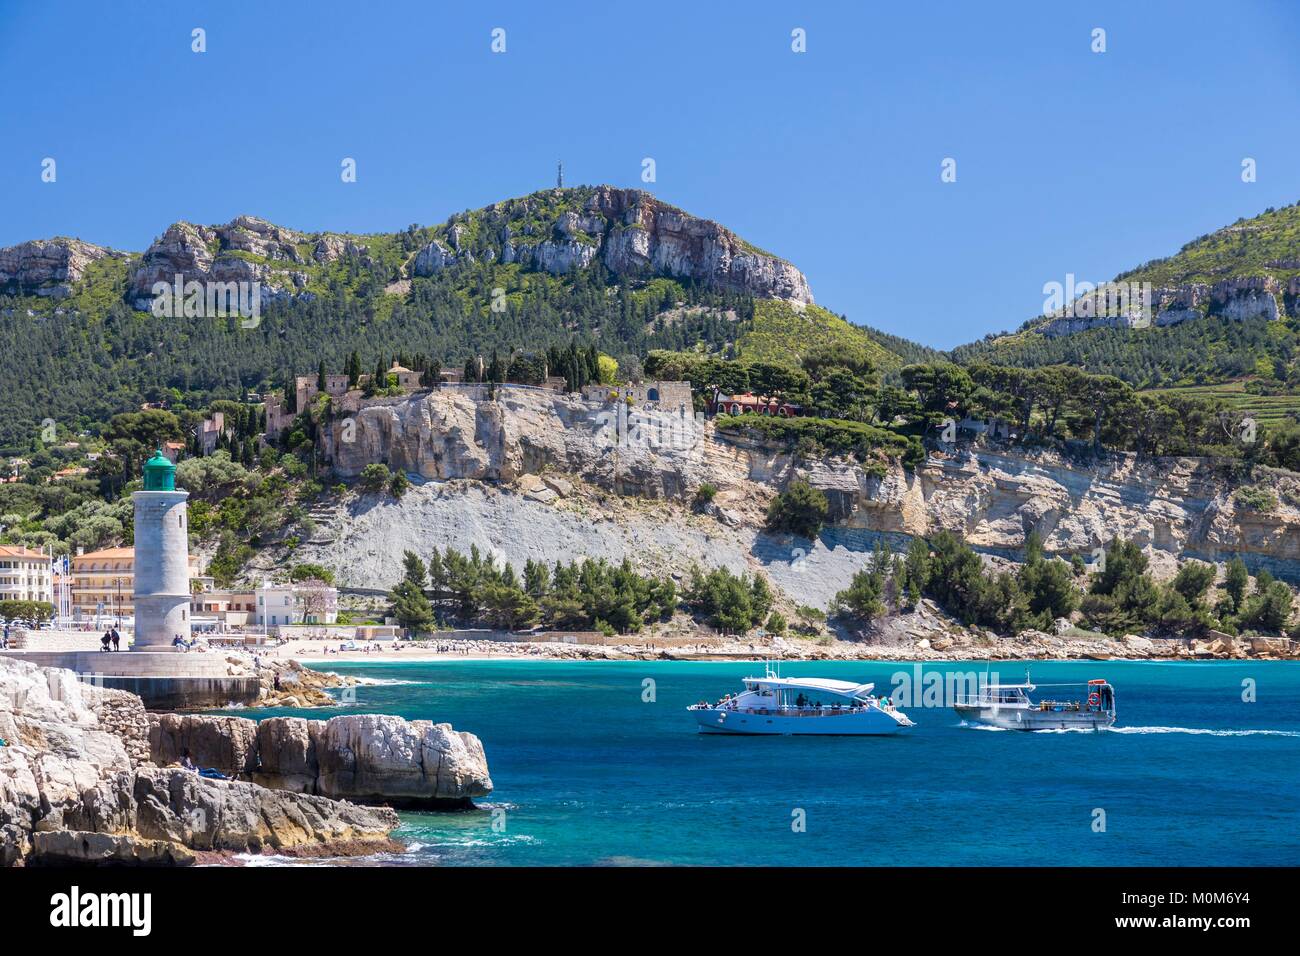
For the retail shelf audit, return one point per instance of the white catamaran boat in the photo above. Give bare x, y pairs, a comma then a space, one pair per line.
1008, 706
773, 704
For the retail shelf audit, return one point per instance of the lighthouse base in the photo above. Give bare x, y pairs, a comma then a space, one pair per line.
164, 679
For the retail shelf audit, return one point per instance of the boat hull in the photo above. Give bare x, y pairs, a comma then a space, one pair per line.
866, 723
1016, 718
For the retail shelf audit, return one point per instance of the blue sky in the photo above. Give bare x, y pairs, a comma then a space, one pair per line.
1067, 160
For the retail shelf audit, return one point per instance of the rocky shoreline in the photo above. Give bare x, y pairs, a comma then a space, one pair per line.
923, 635
87, 777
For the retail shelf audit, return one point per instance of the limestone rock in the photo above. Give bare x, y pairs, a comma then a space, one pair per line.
287, 749
432, 258
1143, 646
632, 233
203, 814
648, 235
375, 757
203, 254
70, 793
558, 485
66, 847
47, 267
227, 744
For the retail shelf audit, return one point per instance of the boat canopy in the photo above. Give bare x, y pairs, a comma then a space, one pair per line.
823, 685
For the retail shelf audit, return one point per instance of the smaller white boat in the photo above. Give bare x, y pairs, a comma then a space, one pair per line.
773, 704
1009, 706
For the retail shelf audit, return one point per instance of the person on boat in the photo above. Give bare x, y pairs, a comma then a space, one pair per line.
800, 701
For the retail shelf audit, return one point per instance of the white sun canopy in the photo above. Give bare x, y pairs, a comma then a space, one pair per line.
824, 685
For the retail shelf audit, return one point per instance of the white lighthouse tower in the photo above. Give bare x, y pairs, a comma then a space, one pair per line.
162, 553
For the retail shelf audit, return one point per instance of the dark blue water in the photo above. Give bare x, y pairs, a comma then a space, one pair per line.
588, 773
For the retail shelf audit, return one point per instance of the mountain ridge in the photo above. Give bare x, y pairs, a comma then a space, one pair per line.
617, 268
556, 230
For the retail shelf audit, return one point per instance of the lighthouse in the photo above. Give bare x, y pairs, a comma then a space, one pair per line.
162, 580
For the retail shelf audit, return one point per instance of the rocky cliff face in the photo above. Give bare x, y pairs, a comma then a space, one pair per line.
633, 234
1238, 298
448, 433
1175, 507
994, 496
47, 267
218, 254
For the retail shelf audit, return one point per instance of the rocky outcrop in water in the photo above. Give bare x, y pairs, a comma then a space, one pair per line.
368, 758
75, 788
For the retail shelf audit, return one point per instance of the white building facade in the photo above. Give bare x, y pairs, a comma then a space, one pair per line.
288, 604
25, 575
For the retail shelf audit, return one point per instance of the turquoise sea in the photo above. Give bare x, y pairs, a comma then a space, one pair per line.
587, 772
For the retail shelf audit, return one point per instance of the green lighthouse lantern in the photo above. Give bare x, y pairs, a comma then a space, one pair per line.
159, 473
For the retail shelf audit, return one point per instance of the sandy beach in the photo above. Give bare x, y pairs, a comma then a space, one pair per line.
318, 652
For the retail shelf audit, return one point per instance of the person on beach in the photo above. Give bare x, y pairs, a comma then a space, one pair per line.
187, 762
105, 641
116, 638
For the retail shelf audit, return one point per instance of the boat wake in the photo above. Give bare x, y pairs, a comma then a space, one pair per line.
1069, 730
969, 726
1207, 731
387, 682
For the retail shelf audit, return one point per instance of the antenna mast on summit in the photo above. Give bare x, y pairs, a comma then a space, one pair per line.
559, 175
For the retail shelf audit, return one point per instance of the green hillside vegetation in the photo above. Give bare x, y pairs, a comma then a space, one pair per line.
1192, 353
93, 356
1267, 244
1121, 599
783, 333
817, 437
1267, 410
1209, 351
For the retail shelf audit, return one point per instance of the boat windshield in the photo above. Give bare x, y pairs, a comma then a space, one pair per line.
997, 694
